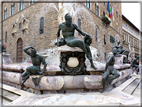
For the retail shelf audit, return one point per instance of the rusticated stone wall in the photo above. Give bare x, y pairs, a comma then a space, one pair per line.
32, 14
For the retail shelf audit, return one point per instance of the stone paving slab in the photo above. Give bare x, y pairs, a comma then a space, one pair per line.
138, 90
9, 95
129, 89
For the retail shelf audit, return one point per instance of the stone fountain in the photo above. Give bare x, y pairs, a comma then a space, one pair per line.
58, 82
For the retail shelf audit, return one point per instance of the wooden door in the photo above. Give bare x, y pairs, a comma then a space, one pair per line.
19, 50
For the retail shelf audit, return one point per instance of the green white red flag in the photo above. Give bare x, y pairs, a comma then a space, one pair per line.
111, 12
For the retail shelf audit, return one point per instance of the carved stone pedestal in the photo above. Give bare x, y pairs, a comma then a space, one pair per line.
72, 60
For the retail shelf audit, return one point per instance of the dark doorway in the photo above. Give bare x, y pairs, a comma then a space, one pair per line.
19, 50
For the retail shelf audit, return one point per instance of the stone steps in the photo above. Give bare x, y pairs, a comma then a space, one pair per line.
137, 92
5, 102
9, 96
131, 87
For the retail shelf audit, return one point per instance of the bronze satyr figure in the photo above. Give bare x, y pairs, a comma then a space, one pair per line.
110, 70
36, 61
68, 28
119, 48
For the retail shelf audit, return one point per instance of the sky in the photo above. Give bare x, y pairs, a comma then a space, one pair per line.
132, 12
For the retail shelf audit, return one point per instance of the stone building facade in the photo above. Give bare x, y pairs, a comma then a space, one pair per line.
36, 24
132, 37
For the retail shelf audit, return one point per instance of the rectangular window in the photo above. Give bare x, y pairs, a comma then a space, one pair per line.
104, 39
41, 25
12, 9
87, 3
96, 9
21, 5
116, 14
5, 14
20, 25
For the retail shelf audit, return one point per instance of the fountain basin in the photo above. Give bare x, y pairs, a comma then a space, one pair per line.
53, 69
63, 82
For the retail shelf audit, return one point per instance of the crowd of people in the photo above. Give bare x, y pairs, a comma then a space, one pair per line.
135, 64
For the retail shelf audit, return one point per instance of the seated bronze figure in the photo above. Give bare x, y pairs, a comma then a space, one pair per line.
68, 28
110, 70
36, 61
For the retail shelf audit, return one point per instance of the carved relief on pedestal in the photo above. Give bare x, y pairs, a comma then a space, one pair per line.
72, 63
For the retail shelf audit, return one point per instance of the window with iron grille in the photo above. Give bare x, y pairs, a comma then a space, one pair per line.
96, 34
41, 25
5, 37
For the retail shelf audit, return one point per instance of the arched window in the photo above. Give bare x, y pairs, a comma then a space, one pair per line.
5, 37
96, 33
41, 25
21, 7
5, 14
79, 25
12, 9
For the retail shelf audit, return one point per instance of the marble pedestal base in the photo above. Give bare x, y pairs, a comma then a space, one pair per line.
72, 60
